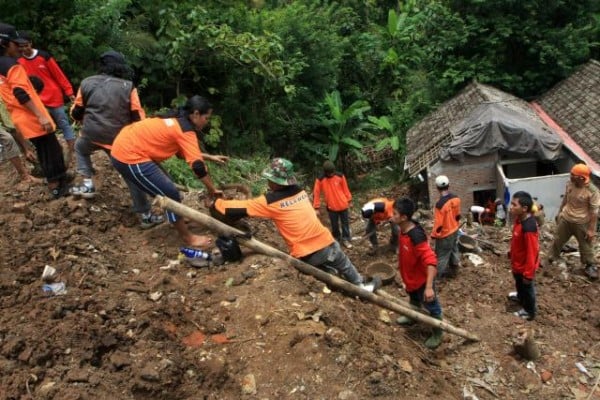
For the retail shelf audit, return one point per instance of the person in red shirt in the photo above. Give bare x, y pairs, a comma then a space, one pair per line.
524, 254
446, 217
417, 264
338, 199
56, 85
376, 212
28, 113
288, 205
140, 147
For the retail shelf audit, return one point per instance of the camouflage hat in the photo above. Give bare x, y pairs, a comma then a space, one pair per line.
281, 172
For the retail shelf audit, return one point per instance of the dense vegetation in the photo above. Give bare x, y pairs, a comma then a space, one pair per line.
310, 79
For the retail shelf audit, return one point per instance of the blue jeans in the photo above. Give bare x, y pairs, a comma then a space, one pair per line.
525, 294
417, 298
371, 227
335, 217
333, 259
59, 116
149, 177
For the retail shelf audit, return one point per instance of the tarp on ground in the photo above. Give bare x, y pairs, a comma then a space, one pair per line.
496, 126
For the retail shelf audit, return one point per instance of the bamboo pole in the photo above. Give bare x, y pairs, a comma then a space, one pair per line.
331, 280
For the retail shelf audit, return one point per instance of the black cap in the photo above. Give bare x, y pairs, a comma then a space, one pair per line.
112, 57
8, 33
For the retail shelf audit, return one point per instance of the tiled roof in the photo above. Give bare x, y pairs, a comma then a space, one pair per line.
574, 104
423, 140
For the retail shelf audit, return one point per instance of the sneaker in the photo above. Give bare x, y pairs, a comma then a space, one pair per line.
404, 320
84, 191
512, 296
523, 314
372, 286
60, 191
151, 220
591, 271
347, 244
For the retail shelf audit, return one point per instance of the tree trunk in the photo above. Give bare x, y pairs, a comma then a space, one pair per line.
331, 280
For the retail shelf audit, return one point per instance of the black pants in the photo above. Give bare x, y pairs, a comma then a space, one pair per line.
50, 156
525, 294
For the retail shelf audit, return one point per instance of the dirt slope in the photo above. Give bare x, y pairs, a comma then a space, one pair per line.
135, 324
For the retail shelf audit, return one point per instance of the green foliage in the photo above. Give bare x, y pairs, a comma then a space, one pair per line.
236, 171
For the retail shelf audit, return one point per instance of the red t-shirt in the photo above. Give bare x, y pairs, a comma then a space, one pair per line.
414, 257
44, 66
525, 247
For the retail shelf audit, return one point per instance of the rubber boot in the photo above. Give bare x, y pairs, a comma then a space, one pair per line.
406, 321
436, 337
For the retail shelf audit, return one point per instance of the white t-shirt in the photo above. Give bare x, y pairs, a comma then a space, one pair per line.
477, 209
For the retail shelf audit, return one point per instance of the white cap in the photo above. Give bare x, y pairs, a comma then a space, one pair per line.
442, 181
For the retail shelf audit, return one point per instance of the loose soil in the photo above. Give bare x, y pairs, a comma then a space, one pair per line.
136, 323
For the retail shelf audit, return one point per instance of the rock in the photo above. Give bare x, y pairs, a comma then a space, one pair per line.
150, 373
384, 316
45, 389
20, 207
77, 375
347, 395
546, 375
249, 384
375, 377
406, 366
335, 337
155, 296
119, 360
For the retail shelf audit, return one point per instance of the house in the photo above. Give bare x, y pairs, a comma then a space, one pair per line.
572, 108
490, 144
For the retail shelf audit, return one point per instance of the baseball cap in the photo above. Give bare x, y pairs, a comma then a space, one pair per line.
112, 57
581, 170
10, 34
281, 172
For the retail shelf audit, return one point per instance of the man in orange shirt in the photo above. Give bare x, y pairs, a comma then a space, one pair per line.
337, 199
446, 215
288, 205
28, 113
379, 211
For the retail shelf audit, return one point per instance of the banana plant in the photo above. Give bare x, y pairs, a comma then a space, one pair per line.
346, 126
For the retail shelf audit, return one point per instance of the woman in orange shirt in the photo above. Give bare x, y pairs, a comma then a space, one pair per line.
140, 147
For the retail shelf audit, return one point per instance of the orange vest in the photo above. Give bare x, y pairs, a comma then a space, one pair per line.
446, 215
23, 119
292, 213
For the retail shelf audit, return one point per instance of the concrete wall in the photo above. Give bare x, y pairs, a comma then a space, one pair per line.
475, 173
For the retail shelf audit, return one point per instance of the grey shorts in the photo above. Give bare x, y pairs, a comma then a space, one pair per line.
8, 146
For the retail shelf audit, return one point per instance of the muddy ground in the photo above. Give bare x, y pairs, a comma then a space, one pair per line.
136, 324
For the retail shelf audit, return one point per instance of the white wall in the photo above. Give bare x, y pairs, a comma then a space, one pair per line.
548, 189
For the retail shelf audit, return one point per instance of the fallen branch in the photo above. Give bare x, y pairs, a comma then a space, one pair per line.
331, 280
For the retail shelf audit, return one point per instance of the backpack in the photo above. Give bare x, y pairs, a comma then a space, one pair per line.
229, 248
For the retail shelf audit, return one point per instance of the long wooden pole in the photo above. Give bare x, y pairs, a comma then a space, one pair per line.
329, 279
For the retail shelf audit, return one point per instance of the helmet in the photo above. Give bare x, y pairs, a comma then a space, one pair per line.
442, 181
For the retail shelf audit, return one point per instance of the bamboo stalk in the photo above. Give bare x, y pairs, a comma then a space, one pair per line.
331, 280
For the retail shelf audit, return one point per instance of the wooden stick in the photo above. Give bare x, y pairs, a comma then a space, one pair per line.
331, 280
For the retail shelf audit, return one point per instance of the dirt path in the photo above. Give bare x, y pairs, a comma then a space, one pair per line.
136, 324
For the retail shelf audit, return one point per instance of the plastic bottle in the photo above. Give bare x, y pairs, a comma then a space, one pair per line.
195, 253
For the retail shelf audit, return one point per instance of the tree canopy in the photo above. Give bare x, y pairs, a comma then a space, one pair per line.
311, 79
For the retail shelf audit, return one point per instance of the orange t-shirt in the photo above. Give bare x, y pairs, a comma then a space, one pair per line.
23, 119
446, 215
156, 139
336, 191
292, 213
